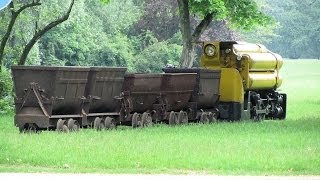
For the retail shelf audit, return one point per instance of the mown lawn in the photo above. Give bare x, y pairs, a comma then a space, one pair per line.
289, 147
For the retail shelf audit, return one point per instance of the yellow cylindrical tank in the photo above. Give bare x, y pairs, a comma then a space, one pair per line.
264, 80
264, 61
242, 47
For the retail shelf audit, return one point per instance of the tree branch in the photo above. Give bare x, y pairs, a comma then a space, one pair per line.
14, 16
202, 27
41, 32
34, 3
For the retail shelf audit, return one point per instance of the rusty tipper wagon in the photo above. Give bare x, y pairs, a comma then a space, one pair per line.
104, 85
47, 95
205, 94
66, 98
154, 98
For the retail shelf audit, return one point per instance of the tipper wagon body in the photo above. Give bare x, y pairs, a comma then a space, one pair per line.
46, 94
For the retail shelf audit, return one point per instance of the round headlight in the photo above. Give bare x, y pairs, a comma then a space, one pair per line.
210, 50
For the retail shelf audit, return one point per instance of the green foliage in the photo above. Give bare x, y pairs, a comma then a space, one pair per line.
157, 56
22, 31
117, 51
297, 32
6, 97
95, 34
242, 14
143, 40
116, 16
262, 35
245, 14
204, 7
105, 1
5, 83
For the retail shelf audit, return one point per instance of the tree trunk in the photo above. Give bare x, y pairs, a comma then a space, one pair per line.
14, 15
187, 56
41, 32
187, 52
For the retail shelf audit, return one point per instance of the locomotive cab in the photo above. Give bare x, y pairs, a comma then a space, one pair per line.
249, 80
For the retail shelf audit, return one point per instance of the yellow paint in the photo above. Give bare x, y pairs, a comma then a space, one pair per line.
214, 61
264, 61
244, 67
249, 47
265, 77
263, 80
231, 88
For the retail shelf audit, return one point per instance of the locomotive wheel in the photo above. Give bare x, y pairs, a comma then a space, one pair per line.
73, 125
183, 117
61, 126
212, 118
172, 118
257, 117
146, 119
204, 118
98, 124
109, 123
257, 105
136, 120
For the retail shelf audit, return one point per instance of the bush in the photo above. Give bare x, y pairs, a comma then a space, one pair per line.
157, 56
6, 95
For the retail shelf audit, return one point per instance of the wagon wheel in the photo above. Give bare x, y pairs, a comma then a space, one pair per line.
212, 118
65, 129
172, 118
110, 123
73, 125
155, 116
61, 126
136, 120
146, 119
126, 107
28, 128
98, 124
183, 117
22, 129
204, 118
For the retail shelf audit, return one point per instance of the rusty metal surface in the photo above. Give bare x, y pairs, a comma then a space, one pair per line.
104, 83
60, 89
206, 89
177, 89
142, 91
42, 92
46, 94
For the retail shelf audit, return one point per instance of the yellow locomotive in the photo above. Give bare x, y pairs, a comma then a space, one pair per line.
249, 80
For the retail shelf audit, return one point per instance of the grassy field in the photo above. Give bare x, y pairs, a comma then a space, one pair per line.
290, 147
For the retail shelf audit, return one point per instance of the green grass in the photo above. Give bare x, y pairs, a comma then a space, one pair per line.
290, 147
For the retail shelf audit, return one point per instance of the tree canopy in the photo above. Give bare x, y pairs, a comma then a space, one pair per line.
299, 28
